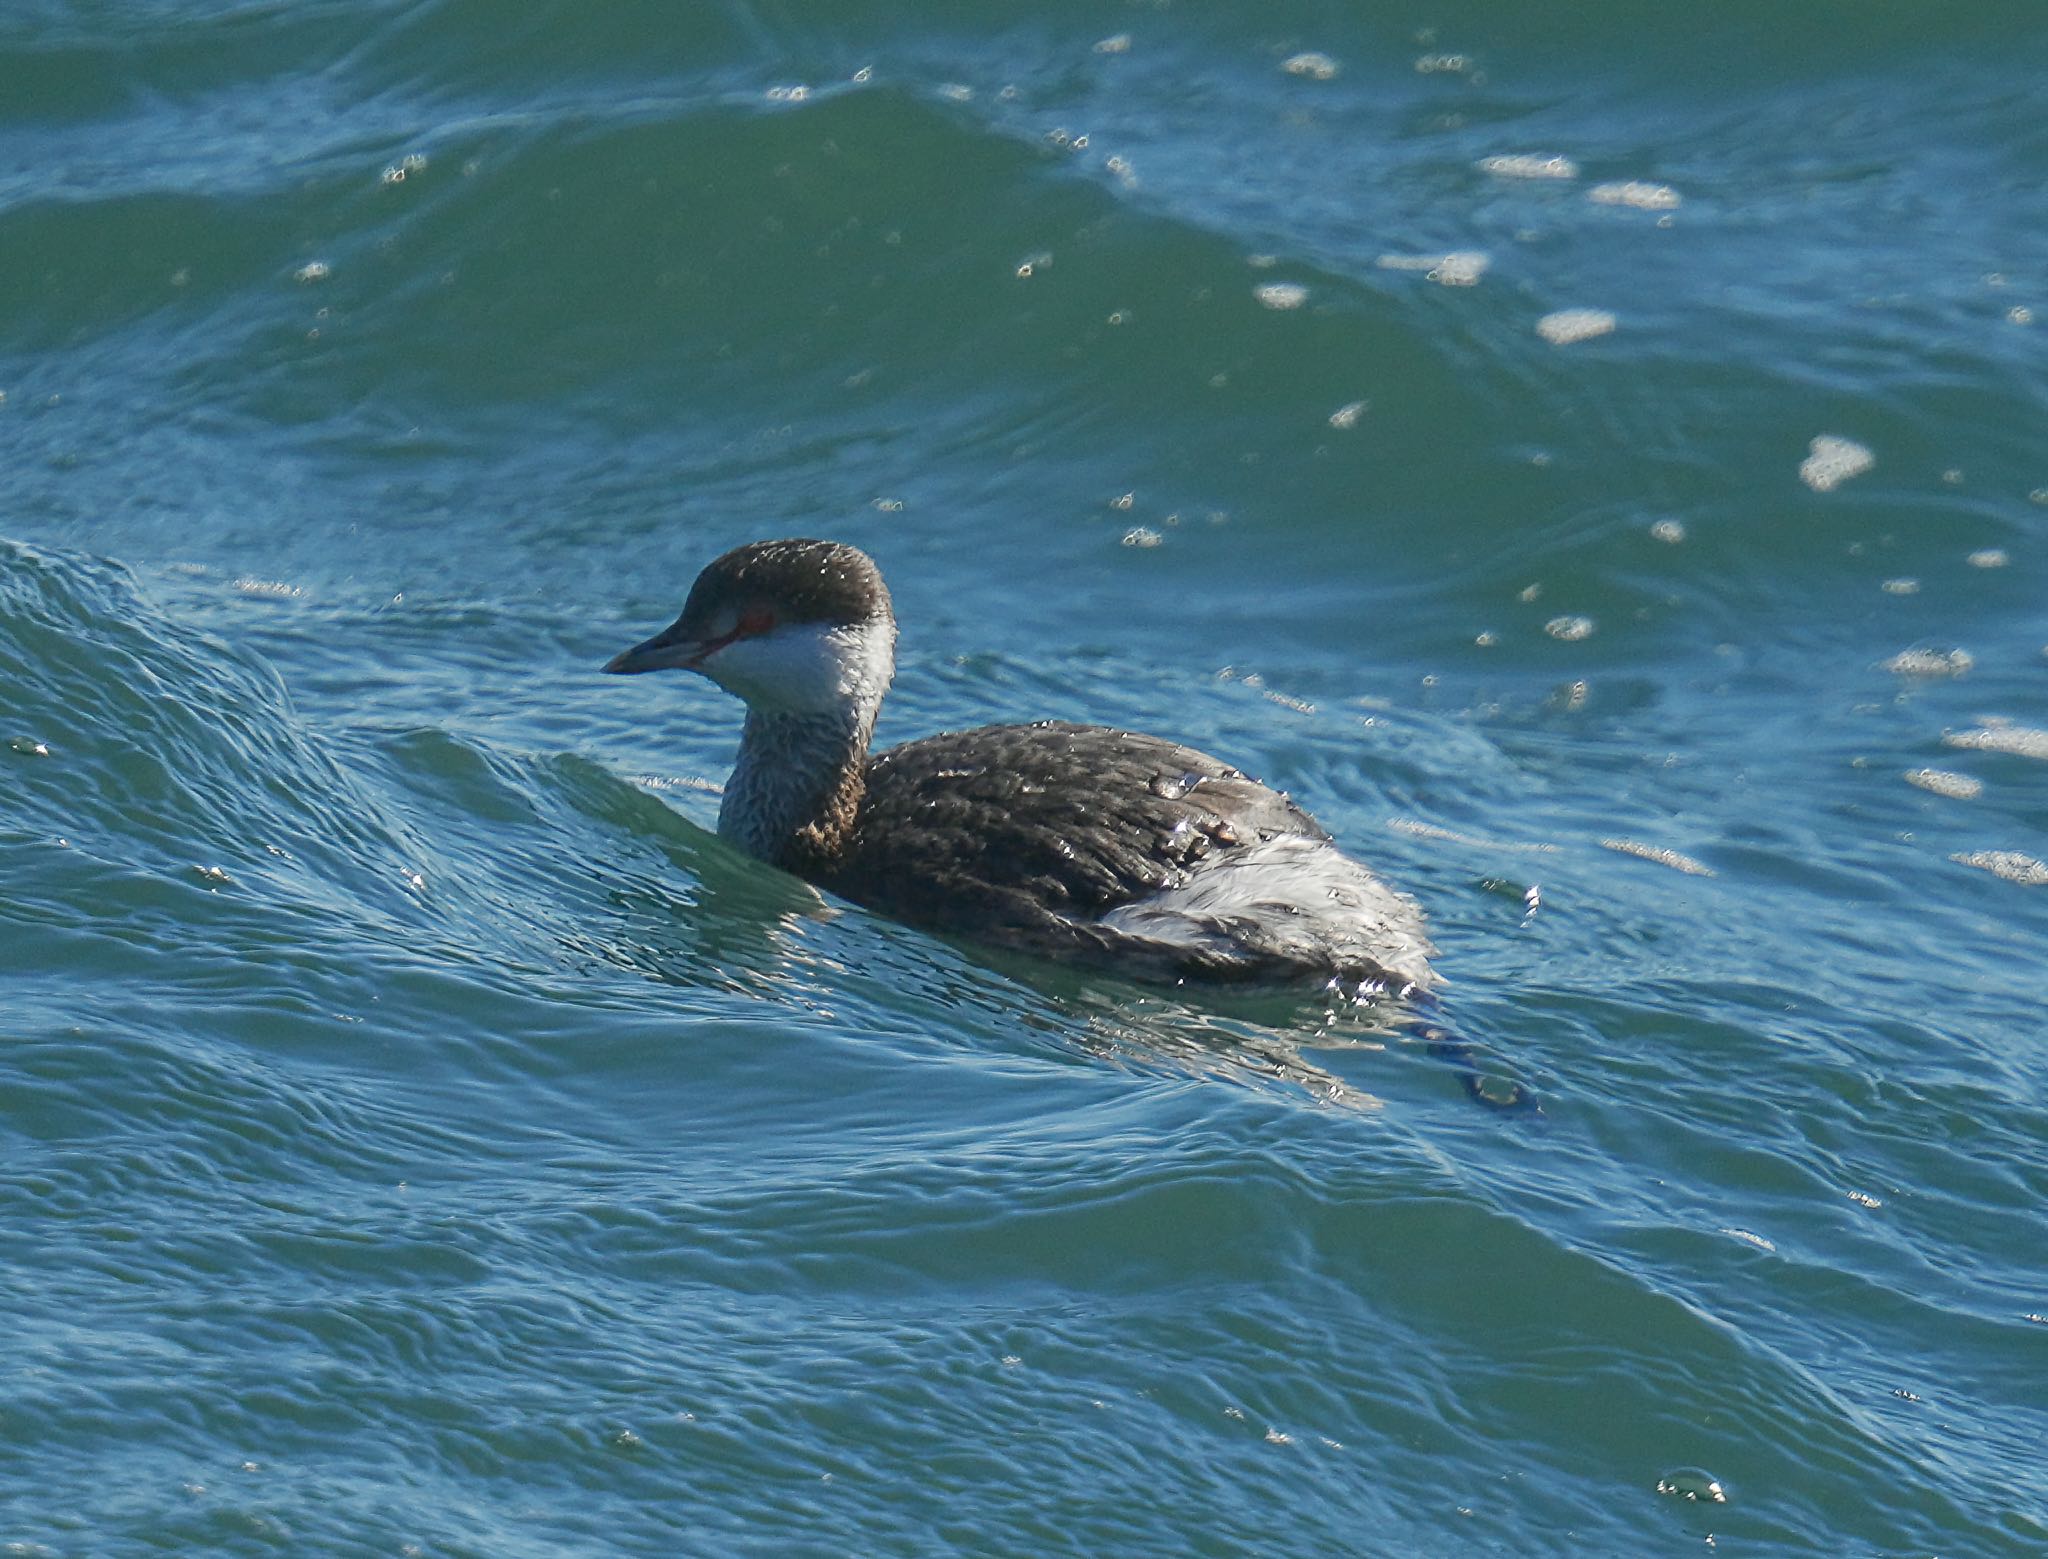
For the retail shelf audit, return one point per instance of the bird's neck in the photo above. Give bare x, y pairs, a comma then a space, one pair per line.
796, 788
812, 697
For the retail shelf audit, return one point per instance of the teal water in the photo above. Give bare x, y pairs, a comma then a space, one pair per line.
421, 1136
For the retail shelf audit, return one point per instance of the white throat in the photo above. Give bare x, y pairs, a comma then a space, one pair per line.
812, 694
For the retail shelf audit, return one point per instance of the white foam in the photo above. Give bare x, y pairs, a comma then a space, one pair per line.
1830, 461
1458, 268
1317, 67
2008, 864
1636, 193
1930, 663
1522, 166
1658, 854
2002, 736
1568, 325
1946, 782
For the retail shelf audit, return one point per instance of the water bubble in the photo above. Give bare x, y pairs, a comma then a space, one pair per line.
1693, 1483
1347, 415
1142, 536
1443, 64
2020, 314
864, 75
1487, 639
311, 271
1123, 500
1281, 294
1569, 325
1830, 461
1570, 629
1670, 531
1989, 557
1118, 44
1900, 587
1520, 166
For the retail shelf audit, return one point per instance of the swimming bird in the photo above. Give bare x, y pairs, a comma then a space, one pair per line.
1080, 843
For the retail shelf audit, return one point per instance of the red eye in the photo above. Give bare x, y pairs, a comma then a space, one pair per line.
756, 619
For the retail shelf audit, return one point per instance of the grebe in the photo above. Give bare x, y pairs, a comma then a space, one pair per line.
1075, 842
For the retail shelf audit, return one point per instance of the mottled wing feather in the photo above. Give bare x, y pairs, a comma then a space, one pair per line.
1025, 827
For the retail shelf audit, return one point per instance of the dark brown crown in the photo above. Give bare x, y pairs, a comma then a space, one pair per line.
803, 580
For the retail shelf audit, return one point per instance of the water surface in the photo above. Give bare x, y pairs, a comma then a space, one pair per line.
422, 1135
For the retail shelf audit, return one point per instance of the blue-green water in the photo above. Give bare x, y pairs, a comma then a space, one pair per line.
420, 1136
